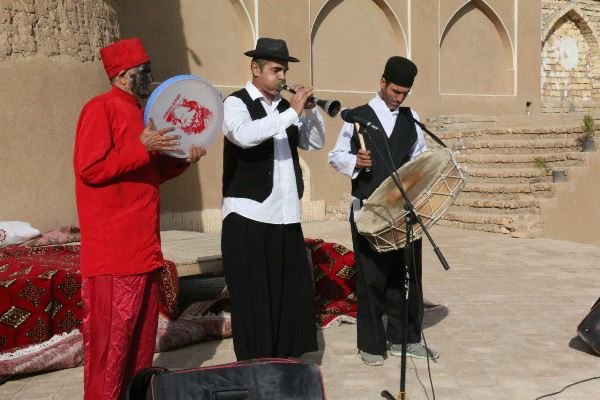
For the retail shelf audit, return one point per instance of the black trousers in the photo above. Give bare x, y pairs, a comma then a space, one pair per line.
269, 281
380, 289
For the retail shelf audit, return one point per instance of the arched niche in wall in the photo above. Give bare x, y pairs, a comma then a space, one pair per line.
202, 37
476, 53
217, 34
350, 43
570, 63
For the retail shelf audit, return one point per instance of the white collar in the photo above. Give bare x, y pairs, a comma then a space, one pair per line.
379, 106
257, 94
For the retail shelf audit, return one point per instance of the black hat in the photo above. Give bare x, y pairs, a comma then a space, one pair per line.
271, 49
400, 70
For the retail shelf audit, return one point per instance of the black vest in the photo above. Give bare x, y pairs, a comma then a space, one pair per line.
400, 143
248, 173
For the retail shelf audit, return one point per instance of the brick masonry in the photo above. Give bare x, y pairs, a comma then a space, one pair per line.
570, 68
76, 28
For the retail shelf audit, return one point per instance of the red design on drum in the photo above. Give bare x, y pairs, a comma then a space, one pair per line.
188, 115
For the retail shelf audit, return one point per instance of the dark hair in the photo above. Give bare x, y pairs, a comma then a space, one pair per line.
261, 62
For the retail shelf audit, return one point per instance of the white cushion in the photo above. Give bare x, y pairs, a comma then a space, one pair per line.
16, 232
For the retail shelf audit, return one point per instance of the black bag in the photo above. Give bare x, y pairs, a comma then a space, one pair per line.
260, 379
589, 328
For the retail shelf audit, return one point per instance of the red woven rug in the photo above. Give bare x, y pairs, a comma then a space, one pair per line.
40, 293
335, 282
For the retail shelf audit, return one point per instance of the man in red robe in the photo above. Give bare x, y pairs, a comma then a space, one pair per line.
118, 169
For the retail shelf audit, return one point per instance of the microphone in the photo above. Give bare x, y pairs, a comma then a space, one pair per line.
350, 116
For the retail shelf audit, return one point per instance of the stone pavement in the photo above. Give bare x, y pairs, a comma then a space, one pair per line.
507, 331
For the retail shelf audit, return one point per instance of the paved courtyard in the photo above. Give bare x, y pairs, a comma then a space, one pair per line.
507, 329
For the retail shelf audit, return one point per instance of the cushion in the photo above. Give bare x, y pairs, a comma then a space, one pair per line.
16, 232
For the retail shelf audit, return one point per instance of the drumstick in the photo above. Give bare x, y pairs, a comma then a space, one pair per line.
361, 140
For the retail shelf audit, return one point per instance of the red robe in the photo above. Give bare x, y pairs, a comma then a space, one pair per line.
116, 183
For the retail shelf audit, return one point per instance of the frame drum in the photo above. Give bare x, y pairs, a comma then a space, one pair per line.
431, 182
189, 104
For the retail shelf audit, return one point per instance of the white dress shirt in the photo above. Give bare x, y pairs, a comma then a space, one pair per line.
345, 162
282, 206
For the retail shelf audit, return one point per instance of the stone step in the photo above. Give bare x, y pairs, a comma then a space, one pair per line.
528, 225
508, 136
495, 175
522, 160
492, 172
511, 146
483, 174
460, 121
508, 190
543, 151
496, 205
515, 133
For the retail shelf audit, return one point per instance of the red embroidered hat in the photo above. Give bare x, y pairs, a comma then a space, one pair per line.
122, 55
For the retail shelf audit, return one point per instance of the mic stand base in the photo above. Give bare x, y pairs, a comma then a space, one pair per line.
388, 395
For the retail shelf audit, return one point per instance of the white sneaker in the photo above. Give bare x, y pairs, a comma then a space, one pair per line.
373, 360
414, 350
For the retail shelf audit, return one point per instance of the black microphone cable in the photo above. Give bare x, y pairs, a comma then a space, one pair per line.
566, 387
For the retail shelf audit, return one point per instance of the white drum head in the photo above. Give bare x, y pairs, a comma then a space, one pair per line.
189, 104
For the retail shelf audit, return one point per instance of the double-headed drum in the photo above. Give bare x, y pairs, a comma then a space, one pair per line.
189, 104
431, 181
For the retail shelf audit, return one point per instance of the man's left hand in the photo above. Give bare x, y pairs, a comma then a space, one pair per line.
309, 104
196, 152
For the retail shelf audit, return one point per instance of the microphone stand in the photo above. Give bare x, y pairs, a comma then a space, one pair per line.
409, 259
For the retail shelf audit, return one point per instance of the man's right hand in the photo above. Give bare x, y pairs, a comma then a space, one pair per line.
363, 159
298, 100
155, 140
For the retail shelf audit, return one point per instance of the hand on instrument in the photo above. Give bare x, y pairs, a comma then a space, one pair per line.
156, 140
196, 152
363, 159
299, 100
310, 101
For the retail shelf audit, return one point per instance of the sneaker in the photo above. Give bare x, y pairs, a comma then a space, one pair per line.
373, 360
414, 350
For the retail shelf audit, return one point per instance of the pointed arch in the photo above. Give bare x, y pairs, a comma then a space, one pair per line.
580, 19
489, 12
477, 54
241, 8
570, 87
346, 71
393, 19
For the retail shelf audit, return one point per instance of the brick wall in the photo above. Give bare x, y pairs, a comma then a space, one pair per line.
570, 62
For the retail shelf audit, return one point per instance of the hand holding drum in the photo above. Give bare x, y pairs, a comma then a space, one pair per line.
183, 116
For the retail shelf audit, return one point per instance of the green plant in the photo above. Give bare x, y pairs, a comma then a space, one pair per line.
588, 128
540, 163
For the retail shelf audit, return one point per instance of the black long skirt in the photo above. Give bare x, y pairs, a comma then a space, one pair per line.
269, 281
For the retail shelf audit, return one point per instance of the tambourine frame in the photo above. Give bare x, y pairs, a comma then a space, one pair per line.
192, 106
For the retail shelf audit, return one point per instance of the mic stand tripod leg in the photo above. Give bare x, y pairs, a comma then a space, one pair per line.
409, 259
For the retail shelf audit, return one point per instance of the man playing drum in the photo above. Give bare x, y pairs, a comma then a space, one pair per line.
118, 167
264, 257
379, 275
